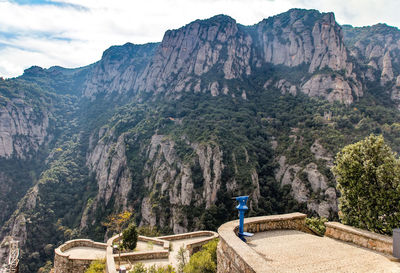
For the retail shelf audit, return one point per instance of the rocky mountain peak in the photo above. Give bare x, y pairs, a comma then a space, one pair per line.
189, 58
303, 36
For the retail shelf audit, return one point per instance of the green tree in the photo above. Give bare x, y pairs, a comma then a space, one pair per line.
368, 177
129, 237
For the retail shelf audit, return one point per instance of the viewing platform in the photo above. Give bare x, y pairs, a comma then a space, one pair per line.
76, 255
283, 243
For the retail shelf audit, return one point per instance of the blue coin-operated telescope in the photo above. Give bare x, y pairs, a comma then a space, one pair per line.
242, 208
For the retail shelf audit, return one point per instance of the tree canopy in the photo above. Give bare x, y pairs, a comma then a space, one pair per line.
368, 177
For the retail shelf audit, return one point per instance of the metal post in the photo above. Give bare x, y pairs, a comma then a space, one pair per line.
242, 208
396, 243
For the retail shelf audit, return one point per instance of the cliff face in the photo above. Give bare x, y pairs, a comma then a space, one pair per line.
298, 37
118, 70
181, 183
23, 128
190, 52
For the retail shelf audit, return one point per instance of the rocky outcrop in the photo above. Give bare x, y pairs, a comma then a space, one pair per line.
172, 177
118, 69
376, 48
168, 178
300, 36
308, 185
23, 128
331, 87
186, 54
108, 161
387, 71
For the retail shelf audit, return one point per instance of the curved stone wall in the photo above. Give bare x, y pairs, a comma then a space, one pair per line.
64, 264
235, 256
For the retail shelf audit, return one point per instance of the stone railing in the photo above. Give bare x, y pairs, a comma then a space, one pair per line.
236, 256
196, 245
156, 241
64, 263
112, 258
359, 237
110, 262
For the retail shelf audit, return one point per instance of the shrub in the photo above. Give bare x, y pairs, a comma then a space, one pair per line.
317, 224
140, 268
204, 261
97, 266
129, 237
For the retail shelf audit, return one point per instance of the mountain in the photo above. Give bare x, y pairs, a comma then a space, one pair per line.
174, 130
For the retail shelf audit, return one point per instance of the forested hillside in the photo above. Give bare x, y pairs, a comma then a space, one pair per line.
174, 130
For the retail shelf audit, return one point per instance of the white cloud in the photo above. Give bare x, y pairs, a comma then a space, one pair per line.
70, 36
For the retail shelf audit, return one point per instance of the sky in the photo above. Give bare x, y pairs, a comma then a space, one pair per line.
74, 33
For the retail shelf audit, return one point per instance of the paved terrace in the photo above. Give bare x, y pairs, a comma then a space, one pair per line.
296, 251
87, 252
282, 243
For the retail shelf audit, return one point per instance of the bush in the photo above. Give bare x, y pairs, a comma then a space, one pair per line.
140, 268
97, 266
204, 261
317, 224
129, 237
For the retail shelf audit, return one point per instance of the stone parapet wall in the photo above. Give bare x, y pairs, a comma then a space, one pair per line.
188, 235
359, 237
196, 245
235, 256
64, 264
156, 241
110, 263
142, 255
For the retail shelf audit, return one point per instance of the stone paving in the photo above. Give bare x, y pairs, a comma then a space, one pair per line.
86, 253
294, 251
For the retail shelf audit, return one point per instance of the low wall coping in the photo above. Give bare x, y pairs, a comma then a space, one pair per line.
141, 253
188, 235
73, 243
155, 240
360, 232
110, 262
